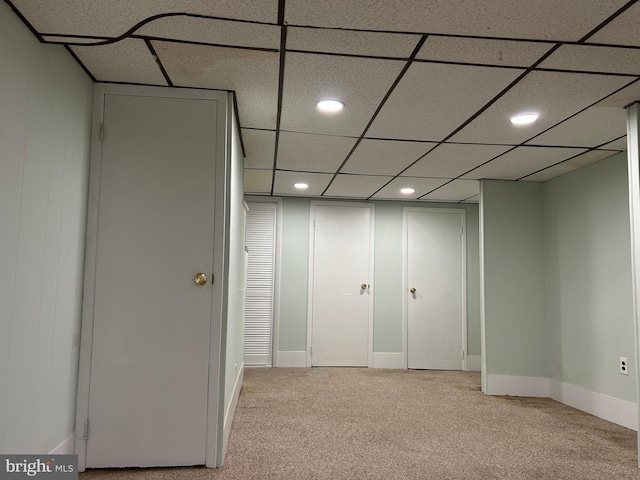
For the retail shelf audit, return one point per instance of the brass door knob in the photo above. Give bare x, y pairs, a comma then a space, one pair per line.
413, 290
363, 286
200, 279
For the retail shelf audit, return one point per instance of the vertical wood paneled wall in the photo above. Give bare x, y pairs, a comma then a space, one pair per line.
45, 108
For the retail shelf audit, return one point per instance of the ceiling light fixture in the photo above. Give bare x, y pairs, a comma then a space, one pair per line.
300, 186
524, 118
407, 190
330, 105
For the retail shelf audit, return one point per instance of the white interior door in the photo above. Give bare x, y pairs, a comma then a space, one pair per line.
341, 307
434, 293
151, 327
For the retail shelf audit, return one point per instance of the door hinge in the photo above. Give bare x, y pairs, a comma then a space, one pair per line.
86, 429
314, 221
461, 230
101, 132
462, 353
311, 351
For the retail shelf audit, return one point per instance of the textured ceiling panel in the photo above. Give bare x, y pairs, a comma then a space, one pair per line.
285, 181
312, 153
355, 186
421, 185
475, 199
619, 144
259, 147
385, 157
580, 161
205, 30
543, 19
128, 60
360, 83
594, 59
482, 51
455, 191
522, 161
549, 173
432, 100
114, 18
623, 30
372, 44
228, 69
257, 181
590, 128
72, 40
553, 95
451, 160
624, 97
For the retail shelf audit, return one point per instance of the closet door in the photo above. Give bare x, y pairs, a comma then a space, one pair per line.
261, 241
152, 311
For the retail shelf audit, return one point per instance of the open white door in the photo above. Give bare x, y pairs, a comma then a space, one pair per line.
150, 357
435, 288
341, 285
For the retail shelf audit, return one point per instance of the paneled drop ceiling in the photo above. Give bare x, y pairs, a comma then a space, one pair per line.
428, 86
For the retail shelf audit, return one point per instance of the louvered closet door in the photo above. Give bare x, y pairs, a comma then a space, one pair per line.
261, 240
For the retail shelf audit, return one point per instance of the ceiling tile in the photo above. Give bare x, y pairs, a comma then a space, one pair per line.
589, 58
549, 173
590, 128
588, 158
228, 69
553, 95
421, 185
451, 160
385, 157
207, 30
317, 182
482, 51
114, 18
568, 20
624, 97
474, 199
355, 186
619, 144
623, 30
373, 44
455, 191
128, 60
455, 92
257, 181
73, 40
259, 147
522, 161
312, 153
360, 83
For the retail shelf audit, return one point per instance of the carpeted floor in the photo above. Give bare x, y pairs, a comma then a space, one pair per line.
348, 423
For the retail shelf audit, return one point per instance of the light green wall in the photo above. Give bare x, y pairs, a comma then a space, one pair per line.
387, 273
589, 293
513, 264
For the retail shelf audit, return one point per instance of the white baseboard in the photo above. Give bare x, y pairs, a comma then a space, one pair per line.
292, 359
518, 386
474, 363
257, 360
66, 447
393, 360
604, 406
231, 410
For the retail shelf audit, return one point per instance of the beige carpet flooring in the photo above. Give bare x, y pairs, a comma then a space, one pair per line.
347, 423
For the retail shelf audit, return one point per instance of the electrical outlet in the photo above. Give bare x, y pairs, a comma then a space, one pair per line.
624, 367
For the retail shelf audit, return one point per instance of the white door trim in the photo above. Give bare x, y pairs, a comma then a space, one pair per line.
405, 287
214, 418
312, 207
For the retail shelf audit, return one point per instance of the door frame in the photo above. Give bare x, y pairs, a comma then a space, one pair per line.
405, 287
215, 404
371, 207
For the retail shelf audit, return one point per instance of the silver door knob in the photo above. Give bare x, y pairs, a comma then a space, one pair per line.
413, 290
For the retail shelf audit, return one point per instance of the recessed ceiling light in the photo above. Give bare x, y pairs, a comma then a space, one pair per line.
407, 190
330, 105
301, 186
524, 118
